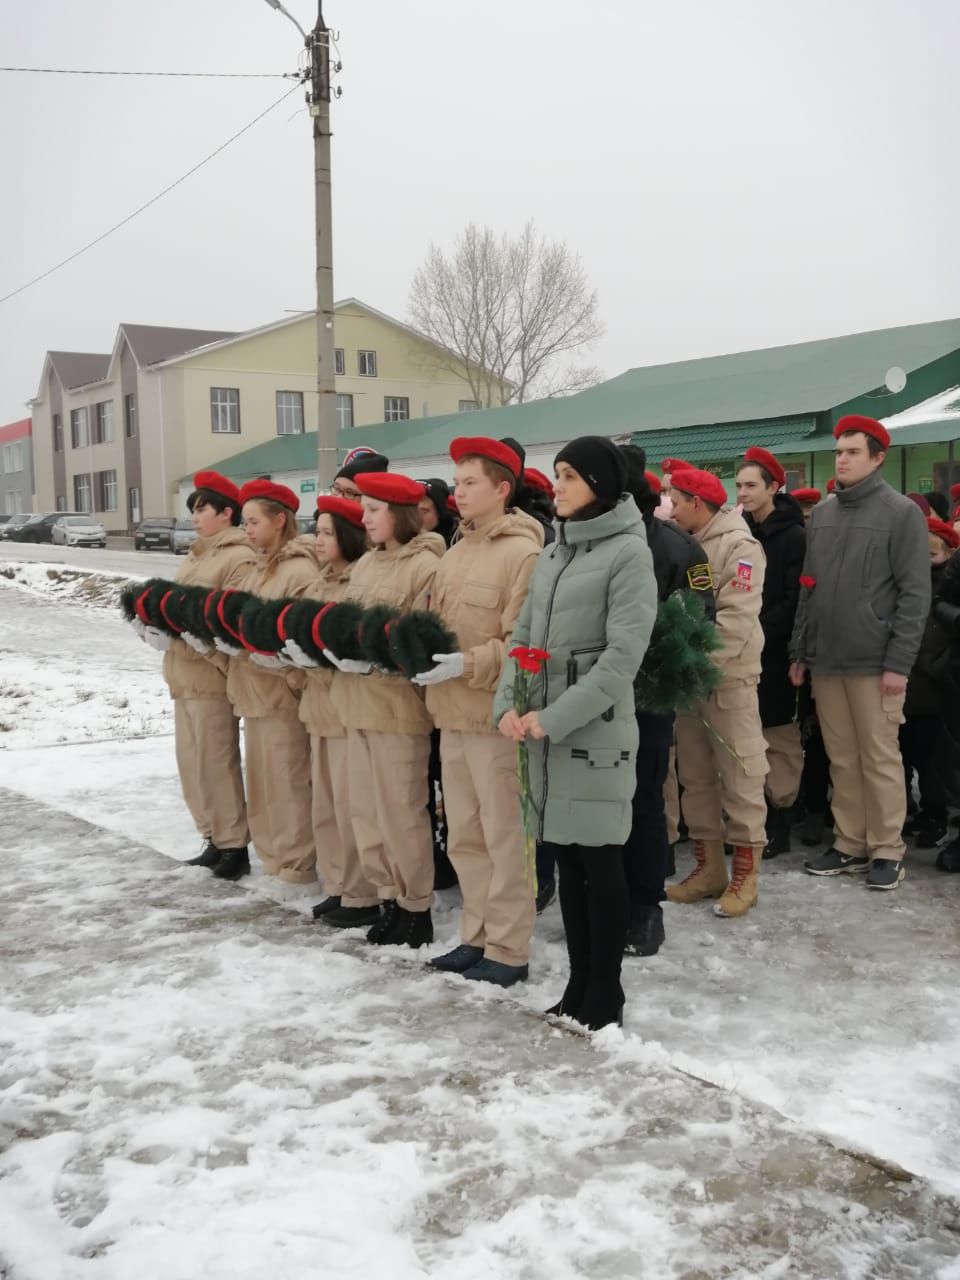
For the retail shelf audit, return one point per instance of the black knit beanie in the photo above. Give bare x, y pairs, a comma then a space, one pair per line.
438, 491
598, 461
517, 448
366, 463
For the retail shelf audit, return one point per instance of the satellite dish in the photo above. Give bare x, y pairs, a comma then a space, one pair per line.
895, 379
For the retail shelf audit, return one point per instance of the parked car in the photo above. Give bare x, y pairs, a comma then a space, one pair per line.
155, 531
78, 531
183, 537
4, 517
10, 532
40, 528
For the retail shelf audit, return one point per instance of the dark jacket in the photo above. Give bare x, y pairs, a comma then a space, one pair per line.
534, 502
783, 538
869, 557
923, 687
946, 612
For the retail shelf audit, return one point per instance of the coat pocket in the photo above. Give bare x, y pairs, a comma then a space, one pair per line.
601, 773
753, 755
892, 706
739, 697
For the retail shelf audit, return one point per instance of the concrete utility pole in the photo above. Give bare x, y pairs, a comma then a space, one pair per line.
317, 43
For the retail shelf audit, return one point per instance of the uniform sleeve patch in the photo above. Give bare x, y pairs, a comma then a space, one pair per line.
700, 577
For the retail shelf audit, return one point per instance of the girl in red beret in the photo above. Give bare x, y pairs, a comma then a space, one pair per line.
205, 729
265, 692
388, 728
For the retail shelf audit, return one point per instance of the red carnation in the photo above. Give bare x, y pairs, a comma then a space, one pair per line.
808, 582
529, 659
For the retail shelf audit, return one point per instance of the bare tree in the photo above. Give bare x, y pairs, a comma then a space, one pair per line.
504, 312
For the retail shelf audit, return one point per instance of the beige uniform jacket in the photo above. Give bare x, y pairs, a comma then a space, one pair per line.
218, 562
403, 578
738, 565
254, 691
478, 591
316, 706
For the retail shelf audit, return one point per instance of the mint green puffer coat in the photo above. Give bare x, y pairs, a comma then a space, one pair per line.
591, 605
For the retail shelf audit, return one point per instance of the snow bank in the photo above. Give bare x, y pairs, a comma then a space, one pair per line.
66, 582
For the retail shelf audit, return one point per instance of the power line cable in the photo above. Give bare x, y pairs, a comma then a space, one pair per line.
160, 194
194, 75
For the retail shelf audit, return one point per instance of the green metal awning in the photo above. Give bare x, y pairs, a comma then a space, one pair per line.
727, 440
938, 432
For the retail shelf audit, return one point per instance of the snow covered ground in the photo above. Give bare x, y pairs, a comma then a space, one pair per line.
197, 1081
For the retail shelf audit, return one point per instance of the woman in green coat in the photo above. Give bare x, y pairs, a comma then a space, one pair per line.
591, 606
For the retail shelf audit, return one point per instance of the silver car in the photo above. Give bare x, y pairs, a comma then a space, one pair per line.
182, 537
78, 531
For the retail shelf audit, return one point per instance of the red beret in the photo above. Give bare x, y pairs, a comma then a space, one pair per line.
387, 486
763, 458
807, 495
484, 447
675, 464
537, 480
653, 481
344, 507
945, 531
831, 484
272, 492
869, 427
216, 483
955, 492
699, 484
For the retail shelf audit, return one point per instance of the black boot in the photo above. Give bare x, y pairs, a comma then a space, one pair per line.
388, 912
812, 830
778, 832
233, 864
209, 856
948, 859
645, 936
444, 873
351, 917
326, 906
671, 862
410, 929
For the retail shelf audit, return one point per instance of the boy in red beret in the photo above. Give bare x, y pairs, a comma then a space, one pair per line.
865, 599
478, 591
721, 753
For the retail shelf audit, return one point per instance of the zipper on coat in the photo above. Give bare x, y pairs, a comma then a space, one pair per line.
546, 681
573, 667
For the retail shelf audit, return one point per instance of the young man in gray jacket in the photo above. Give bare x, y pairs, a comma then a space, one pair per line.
864, 600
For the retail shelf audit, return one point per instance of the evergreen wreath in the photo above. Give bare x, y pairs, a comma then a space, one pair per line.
413, 640
677, 670
222, 611
258, 623
374, 633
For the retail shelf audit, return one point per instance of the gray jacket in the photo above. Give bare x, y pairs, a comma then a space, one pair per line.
868, 556
591, 605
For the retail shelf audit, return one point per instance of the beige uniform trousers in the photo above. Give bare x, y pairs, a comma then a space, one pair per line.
860, 728
481, 794
278, 797
207, 737
337, 855
785, 762
388, 808
671, 797
713, 778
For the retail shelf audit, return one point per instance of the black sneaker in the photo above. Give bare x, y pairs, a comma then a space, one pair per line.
388, 912
327, 905
209, 856
546, 892
458, 960
778, 833
835, 863
233, 864
500, 975
885, 873
350, 917
948, 859
645, 935
931, 830
410, 929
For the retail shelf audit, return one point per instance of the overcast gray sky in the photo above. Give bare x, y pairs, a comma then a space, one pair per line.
734, 173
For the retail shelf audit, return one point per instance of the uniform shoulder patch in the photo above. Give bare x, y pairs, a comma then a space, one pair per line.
700, 577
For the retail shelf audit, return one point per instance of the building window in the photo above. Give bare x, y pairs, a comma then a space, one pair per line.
103, 428
344, 412
61, 502
224, 410
396, 408
106, 490
79, 429
13, 502
82, 495
12, 456
367, 364
57, 433
134, 497
289, 413
467, 406
130, 416
339, 364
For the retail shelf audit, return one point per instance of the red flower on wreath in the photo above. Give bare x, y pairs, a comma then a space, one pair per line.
808, 582
529, 659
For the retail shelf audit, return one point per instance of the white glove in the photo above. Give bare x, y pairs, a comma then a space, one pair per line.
270, 661
194, 642
350, 666
449, 667
232, 651
158, 640
138, 627
297, 656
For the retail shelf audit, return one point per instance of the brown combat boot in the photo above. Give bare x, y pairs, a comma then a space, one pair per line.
743, 891
708, 879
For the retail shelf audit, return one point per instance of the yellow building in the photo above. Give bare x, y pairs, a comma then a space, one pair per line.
114, 433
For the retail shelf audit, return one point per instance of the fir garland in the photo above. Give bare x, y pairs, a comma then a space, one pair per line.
677, 671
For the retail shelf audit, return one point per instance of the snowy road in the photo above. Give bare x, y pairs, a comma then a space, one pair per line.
147, 564
198, 1082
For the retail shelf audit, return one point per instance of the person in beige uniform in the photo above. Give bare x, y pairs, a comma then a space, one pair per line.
205, 729
388, 727
265, 692
721, 752
479, 589
351, 900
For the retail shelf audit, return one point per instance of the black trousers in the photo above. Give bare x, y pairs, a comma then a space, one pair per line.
595, 906
646, 851
918, 741
816, 773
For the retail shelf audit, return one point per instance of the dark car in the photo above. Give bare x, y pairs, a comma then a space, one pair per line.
10, 531
40, 528
155, 531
